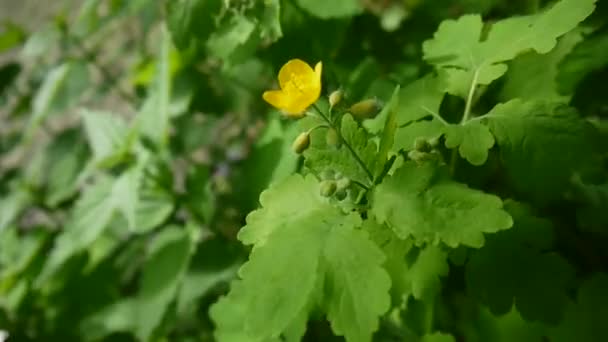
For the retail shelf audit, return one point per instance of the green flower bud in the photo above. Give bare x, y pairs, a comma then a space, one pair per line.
416, 155
434, 141
328, 188
338, 175
301, 143
335, 97
332, 138
422, 145
341, 195
343, 183
365, 109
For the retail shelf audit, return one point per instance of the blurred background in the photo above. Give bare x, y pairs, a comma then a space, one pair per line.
134, 142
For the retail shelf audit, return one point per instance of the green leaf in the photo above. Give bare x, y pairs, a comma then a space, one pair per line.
235, 38
515, 267
533, 76
89, 218
423, 275
269, 14
65, 160
109, 137
472, 139
541, 145
62, 88
229, 316
215, 262
92, 214
11, 36
406, 136
285, 201
457, 49
41, 42
312, 254
438, 337
117, 317
191, 20
388, 133
589, 56
322, 157
163, 273
331, 9
422, 201
154, 116
417, 100
271, 160
585, 320
483, 326
12, 205
359, 80
593, 199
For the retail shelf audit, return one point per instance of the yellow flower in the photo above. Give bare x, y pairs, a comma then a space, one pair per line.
300, 87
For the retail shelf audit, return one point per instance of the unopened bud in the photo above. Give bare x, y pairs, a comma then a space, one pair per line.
422, 145
335, 97
365, 109
301, 143
343, 183
332, 138
341, 195
416, 155
328, 188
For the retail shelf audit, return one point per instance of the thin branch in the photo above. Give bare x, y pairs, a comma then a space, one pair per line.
352, 151
435, 115
469, 104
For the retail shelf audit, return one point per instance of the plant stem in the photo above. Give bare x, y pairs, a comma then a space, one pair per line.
465, 118
469, 104
352, 151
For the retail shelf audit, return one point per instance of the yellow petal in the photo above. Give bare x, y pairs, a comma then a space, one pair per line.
318, 69
295, 67
276, 98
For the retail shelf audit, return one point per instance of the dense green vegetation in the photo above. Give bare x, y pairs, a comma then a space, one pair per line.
435, 171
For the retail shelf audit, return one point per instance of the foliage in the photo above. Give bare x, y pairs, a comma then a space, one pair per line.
446, 179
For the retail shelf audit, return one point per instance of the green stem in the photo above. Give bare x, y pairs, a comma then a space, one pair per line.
352, 151
469, 104
465, 118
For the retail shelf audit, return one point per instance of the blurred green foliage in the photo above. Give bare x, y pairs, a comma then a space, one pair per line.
134, 142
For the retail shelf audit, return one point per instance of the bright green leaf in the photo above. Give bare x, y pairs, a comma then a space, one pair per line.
332, 9
457, 47
388, 133
323, 157
422, 201
406, 136
473, 140
305, 251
